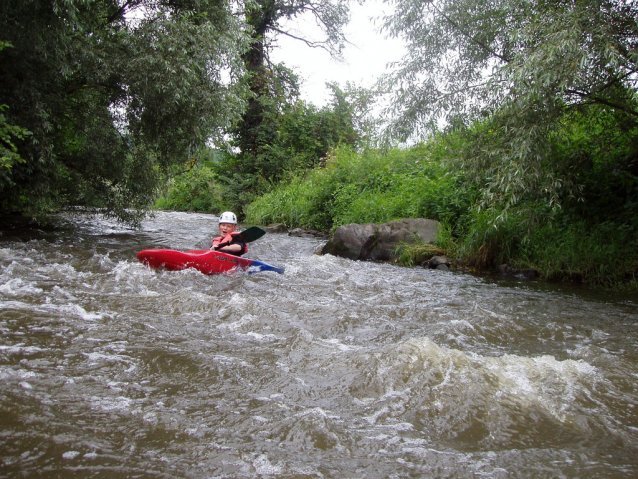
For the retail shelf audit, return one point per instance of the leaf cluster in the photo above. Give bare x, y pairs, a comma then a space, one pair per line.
293, 137
113, 95
510, 75
370, 186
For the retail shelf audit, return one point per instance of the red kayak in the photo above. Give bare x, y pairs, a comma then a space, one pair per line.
206, 261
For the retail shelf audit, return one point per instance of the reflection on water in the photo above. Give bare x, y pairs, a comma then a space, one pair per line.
334, 369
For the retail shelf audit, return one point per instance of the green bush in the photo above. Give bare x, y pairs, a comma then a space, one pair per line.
194, 190
562, 249
604, 254
300, 203
370, 186
584, 229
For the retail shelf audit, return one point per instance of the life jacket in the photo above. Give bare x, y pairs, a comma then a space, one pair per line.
229, 239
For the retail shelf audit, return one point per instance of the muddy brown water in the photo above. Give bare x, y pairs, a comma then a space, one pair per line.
335, 369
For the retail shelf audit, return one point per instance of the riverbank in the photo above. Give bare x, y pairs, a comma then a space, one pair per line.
596, 266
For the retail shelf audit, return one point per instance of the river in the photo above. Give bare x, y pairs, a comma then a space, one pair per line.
334, 369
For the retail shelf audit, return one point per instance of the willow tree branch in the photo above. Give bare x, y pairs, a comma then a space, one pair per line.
596, 99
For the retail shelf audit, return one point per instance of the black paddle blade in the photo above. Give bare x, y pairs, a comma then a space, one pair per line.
250, 234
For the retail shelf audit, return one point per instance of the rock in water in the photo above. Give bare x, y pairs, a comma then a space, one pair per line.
379, 242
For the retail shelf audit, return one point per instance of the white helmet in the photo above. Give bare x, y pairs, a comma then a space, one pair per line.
228, 217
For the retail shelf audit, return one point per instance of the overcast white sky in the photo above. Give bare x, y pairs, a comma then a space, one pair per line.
365, 59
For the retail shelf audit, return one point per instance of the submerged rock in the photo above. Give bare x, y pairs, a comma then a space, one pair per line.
529, 273
438, 262
301, 233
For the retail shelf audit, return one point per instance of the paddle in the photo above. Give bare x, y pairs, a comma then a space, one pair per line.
248, 235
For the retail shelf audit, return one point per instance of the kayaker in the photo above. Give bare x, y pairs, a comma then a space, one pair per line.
225, 241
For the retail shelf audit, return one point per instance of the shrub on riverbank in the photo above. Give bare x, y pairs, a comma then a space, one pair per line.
602, 254
372, 186
193, 190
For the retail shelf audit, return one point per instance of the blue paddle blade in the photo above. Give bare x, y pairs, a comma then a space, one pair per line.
258, 266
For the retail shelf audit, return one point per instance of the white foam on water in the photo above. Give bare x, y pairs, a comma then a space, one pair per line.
71, 454
136, 278
52, 310
372, 419
98, 357
222, 359
7, 253
543, 380
64, 271
64, 293
10, 373
151, 418
339, 345
112, 404
263, 465
20, 349
77, 311
17, 287
450, 381
9, 270
105, 261
395, 355
261, 338
246, 320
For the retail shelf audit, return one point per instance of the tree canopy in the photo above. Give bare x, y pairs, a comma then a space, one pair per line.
112, 92
99, 97
521, 68
468, 58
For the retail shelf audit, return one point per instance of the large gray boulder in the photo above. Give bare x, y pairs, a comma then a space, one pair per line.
378, 242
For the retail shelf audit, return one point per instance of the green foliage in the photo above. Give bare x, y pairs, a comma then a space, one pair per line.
591, 238
488, 243
594, 158
300, 136
565, 249
8, 135
300, 203
114, 94
467, 58
603, 254
193, 190
295, 138
521, 69
539, 166
417, 254
600, 151
269, 84
372, 186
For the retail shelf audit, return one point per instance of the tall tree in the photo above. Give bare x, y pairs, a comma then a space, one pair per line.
113, 92
266, 19
521, 64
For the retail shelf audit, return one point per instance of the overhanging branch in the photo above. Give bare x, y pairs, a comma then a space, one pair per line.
603, 101
311, 44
